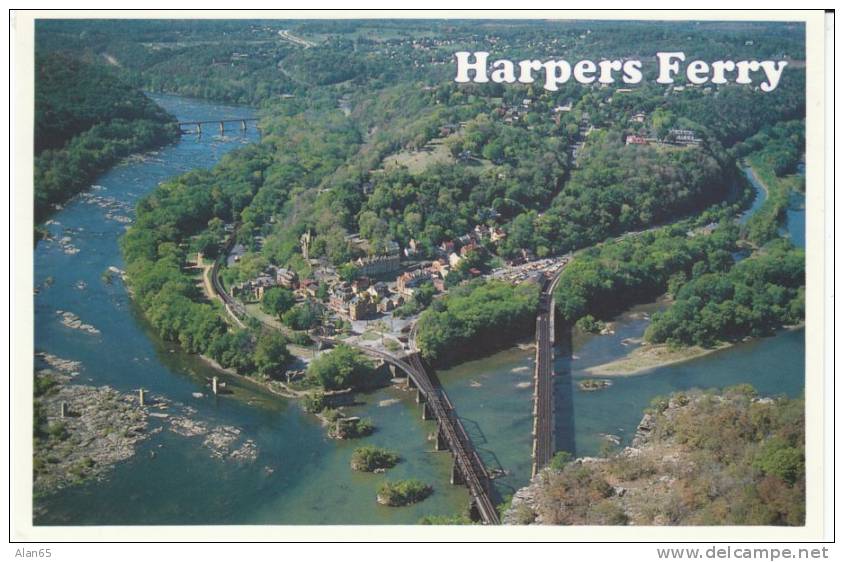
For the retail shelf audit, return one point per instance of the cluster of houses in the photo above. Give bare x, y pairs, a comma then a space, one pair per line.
253, 289
513, 113
681, 137
453, 251
362, 298
382, 264
365, 296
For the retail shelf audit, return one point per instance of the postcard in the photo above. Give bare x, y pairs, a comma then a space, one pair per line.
291, 274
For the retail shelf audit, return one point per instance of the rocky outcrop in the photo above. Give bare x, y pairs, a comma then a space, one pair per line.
698, 458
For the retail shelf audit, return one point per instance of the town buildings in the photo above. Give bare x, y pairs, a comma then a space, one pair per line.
378, 265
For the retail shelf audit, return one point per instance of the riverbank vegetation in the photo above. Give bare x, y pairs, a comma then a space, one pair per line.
756, 297
446, 520
475, 319
342, 367
699, 458
86, 119
773, 155
372, 459
156, 250
605, 280
403, 492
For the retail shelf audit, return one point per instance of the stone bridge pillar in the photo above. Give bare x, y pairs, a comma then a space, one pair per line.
456, 475
440, 442
474, 512
426, 412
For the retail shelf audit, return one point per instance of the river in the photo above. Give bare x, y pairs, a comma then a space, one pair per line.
300, 476
494, 395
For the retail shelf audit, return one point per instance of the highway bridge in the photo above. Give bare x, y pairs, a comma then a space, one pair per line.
467, 467
195, 127
543, 396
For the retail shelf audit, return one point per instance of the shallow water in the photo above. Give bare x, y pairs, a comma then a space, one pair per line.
497, 408
491, 399
300, 476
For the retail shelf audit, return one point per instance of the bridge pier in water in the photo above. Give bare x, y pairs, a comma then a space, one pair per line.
474, 512
440, 443
456, 475
427, 414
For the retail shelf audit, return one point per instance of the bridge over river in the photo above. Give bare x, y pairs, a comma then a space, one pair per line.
467, 467
543, 395
195, 127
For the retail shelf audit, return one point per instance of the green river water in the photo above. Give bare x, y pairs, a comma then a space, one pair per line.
300, 476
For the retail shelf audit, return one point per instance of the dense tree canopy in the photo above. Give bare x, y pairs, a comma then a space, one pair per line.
85, 120
757, 296
477, 318
342, 367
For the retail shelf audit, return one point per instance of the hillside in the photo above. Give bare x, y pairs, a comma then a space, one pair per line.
700, 458
85, 120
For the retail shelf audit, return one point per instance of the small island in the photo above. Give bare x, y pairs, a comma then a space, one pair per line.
590, 385
350, 427
373, 459
403, 492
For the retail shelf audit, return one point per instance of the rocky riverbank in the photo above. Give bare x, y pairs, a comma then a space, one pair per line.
81, 431
699, 458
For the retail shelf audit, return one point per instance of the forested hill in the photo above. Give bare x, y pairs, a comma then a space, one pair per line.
85, 120
72, 96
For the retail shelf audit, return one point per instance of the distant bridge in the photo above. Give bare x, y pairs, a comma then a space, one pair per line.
195, 127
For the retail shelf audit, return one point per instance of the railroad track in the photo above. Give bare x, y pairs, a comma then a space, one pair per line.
467, 462
543, 399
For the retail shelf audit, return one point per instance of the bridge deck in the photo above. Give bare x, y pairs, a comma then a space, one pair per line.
218, 121
543, 407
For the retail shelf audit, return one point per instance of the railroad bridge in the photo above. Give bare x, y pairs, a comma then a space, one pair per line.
195, 127
467, 467
543, 397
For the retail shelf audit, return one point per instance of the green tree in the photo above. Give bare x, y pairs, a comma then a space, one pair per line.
342, 367
277, 301
271, 354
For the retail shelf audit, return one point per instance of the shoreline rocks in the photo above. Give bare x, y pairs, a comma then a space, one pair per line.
591, 385
82, 431
72, 321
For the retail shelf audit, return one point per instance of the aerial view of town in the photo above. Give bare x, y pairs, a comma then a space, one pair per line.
294, 272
